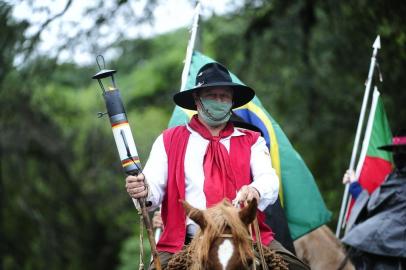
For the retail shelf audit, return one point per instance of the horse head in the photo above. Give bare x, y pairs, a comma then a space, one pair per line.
223, 241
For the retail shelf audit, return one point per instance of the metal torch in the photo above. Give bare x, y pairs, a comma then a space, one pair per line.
124, 140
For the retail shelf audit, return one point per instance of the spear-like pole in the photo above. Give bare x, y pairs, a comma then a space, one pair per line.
190, 47
376, 46
365, 143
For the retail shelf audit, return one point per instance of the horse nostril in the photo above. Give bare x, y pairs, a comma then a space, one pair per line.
250, 265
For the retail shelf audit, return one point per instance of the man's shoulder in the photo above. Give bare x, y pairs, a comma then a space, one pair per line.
175, 129
174, 133
246, 134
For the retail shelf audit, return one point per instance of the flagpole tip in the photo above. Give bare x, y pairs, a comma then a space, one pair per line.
377, 43
198, 7
376, 92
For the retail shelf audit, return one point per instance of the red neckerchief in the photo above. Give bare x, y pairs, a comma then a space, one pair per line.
219, 182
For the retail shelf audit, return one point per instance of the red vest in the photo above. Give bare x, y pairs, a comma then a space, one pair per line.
173, 213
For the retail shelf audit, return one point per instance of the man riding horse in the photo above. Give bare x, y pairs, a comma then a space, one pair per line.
208, 160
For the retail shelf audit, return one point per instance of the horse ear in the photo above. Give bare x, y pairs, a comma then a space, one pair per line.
249, 212
195, 214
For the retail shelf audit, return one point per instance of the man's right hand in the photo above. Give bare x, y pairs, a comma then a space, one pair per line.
136, 186
349, 177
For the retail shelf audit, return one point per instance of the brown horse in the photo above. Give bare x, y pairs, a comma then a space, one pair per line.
320, 249
223, 241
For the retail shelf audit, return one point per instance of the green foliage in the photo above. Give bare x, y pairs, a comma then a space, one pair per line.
130, 254
63, 186
154, 76
64, 205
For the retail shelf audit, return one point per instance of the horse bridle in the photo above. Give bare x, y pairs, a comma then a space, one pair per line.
228, 235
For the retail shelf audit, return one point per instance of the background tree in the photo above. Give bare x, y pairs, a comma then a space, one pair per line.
63, 202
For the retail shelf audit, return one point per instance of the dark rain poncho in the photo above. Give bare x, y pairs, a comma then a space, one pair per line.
378, 222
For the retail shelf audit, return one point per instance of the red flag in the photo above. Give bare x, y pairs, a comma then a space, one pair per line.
375, 164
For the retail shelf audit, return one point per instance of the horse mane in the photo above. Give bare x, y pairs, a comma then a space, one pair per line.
221, 218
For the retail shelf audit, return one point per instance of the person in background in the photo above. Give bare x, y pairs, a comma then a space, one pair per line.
377, 225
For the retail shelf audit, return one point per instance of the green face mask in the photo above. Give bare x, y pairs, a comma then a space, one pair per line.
215, 113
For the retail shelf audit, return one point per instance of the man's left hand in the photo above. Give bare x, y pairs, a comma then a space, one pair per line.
246, 193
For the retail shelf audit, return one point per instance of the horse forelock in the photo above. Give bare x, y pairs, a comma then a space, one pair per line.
221, 218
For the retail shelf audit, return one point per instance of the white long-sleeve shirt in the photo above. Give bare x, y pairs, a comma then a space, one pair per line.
265, 179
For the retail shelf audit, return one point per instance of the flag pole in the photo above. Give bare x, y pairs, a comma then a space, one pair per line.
368, 131
365, 143
190, 47
376, 46
186, 67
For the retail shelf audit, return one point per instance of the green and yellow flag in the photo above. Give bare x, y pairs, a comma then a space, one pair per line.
299, 194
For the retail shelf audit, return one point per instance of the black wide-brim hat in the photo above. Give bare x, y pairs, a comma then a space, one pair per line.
214, 75
398, 141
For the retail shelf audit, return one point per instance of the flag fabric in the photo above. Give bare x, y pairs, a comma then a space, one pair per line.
299, 194
374, 164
